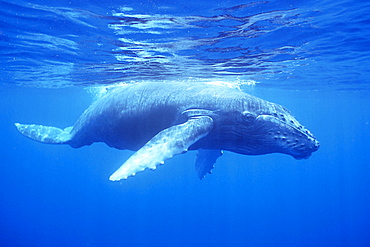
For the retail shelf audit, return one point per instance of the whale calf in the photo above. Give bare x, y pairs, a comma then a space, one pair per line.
160, 120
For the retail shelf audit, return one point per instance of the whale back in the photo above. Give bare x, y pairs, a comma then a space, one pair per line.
126, 117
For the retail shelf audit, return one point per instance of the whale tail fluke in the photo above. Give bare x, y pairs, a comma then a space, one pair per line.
45, 134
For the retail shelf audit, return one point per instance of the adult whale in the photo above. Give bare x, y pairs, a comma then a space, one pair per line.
160, 120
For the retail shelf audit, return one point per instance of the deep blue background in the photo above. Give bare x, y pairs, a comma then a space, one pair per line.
59, 196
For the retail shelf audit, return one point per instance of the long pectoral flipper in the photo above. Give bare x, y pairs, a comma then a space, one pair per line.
167, 143
45, 134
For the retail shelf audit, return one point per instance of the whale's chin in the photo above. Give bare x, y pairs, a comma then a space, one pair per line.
302, 157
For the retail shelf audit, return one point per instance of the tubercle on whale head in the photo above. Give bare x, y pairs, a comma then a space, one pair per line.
277, 131
293, 138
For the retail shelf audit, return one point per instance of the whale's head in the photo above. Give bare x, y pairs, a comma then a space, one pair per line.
273, 129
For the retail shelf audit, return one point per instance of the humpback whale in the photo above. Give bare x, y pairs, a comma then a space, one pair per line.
160, 120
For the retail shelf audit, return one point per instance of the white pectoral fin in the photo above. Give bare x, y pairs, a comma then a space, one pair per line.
167, 143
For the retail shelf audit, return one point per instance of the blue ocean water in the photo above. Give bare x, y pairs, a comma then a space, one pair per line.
310, 56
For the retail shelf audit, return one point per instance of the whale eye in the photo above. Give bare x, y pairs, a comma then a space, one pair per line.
249, 117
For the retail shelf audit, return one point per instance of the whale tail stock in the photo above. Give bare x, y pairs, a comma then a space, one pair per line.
45, 134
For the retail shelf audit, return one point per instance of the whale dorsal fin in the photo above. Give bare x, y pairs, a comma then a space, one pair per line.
205, 161
167, 143
45, 134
